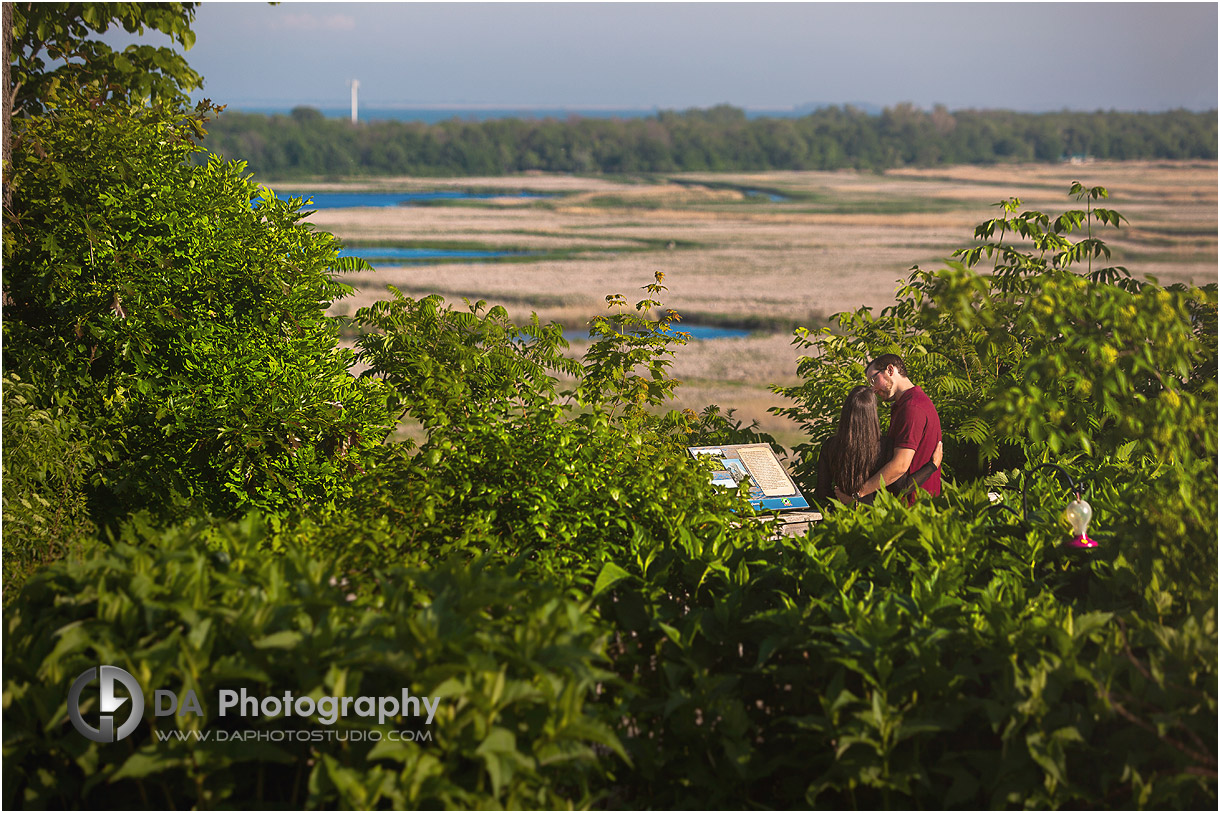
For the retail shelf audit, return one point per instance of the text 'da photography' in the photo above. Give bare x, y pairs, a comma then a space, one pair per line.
234, 708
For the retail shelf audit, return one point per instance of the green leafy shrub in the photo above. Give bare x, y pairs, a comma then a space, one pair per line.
910, 658
525, 448
514, 664
939, 656
45, 465
181, 309
448, 365
1032, 358
58, 34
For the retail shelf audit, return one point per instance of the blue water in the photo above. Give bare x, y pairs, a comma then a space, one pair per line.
347, 200
422, 254
771, 196
700, 332
706, 332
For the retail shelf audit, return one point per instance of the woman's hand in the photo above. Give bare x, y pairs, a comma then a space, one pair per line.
846, 499
939, 454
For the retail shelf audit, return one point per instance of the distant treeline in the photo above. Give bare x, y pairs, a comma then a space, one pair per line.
721, 138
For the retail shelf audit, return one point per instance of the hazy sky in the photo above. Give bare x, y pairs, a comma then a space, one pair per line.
1019, 56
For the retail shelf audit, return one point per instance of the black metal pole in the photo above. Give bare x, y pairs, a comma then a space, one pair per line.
1025, 486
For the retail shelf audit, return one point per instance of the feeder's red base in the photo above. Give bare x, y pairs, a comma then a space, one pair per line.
1082, 541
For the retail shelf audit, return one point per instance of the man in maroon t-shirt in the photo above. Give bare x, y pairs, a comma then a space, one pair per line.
914, 427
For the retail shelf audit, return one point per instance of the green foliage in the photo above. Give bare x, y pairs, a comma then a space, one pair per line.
625, 345
1113, 379
894, 658
907, 658
1031, 359
715, 427
47, 455
514, 667
451, 365
180, 309
602, 624
928, 657
528, 453
58, 34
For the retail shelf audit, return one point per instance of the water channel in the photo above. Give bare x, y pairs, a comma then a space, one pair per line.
348, 200
418, 256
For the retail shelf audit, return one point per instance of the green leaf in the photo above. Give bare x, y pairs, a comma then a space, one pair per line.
147, 761
284, 639
610, 575
497, 750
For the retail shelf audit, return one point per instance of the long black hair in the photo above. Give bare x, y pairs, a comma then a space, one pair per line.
857, 447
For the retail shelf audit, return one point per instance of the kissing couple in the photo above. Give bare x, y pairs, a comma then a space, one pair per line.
856, 460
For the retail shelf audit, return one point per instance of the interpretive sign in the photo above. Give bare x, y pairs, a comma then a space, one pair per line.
770, 486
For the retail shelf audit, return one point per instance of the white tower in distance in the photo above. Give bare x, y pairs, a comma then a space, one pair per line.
355, 89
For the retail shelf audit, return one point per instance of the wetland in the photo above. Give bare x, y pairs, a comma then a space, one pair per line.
812, 244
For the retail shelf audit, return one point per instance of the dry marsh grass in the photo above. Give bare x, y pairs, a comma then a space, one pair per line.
842, 240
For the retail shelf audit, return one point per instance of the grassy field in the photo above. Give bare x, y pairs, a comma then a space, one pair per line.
837, 241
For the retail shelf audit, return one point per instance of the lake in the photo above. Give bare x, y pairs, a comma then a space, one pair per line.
420, 255
708, 332
704, 332
348, 200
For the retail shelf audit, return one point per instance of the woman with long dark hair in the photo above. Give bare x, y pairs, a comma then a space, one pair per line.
851, 455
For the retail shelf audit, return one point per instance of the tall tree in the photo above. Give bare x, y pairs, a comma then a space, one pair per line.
155, 307
53, 44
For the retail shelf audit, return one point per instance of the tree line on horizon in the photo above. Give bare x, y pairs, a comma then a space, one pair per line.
305, 142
